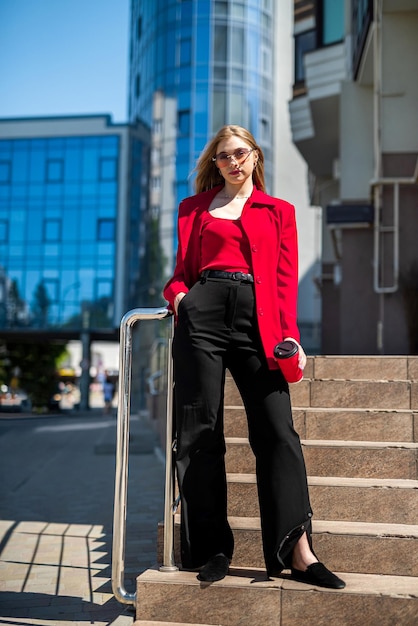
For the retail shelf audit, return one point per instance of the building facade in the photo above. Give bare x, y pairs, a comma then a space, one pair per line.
72, 194
72, 191
354, 115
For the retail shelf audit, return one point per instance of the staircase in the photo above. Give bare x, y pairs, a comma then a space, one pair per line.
358, 421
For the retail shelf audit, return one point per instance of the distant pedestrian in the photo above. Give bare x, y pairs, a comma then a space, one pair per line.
108, 393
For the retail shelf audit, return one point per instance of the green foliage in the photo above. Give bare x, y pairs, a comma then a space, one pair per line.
37, 363
41, 304
15, 305
3, 365
152, 269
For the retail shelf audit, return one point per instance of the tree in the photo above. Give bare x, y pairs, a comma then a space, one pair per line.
15, 304
37, 363
152, 266
41, 304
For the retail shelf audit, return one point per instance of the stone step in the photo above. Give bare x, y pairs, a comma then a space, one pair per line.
344, 546
383, 394
355, 459
357, 424
359, 394
341, 424
387, 501
246, 597
364, 368
147, 622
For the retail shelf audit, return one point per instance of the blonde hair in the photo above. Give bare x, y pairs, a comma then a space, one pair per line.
207, 174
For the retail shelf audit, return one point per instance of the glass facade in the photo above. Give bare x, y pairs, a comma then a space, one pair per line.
58, 228
214, 58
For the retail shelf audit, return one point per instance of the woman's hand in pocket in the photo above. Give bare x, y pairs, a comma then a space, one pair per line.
179, 297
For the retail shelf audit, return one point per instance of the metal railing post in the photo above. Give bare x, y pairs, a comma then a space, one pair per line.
122, 449
168, 556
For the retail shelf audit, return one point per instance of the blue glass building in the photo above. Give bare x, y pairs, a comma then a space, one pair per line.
71, 195
196, 65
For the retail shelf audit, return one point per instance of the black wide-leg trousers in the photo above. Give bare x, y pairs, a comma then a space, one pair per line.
217, 330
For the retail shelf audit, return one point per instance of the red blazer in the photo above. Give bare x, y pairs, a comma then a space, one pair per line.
270, 226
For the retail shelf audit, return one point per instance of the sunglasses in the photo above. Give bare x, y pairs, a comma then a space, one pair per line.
239, 155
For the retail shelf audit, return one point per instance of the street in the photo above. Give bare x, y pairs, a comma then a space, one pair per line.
56, 514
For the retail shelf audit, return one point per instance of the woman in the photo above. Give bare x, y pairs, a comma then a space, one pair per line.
234, 294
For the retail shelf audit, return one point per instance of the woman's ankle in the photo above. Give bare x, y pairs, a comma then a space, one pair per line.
302, 555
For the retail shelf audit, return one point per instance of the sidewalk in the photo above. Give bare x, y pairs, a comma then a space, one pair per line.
56, 509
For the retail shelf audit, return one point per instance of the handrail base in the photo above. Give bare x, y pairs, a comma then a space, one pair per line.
168, 568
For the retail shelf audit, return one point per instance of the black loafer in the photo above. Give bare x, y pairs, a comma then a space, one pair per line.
215, 569
317, 574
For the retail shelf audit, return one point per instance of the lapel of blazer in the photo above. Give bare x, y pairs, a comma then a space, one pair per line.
255, 220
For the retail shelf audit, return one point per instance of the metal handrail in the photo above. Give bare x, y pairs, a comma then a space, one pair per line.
122, 453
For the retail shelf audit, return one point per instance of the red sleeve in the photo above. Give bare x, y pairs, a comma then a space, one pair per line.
177, 283
287, 275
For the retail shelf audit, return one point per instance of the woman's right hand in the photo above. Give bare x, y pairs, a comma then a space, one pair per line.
179, 297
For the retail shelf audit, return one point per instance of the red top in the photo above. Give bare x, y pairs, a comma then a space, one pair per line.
270, 227
224, 245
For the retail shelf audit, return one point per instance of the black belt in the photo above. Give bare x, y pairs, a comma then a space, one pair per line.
245, 278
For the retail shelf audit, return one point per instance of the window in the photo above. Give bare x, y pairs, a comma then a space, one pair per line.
106, 229
103, 288
52, 230
156, 156
5, 171
155, 183
221, 7
184, 122
137, 85
218, 109
238, 45
237, 10
265, 130
54, 170
266, 61
185, 51
186, 10
220, 44
362, 15
158, 126
332, 22
51, 287
155, 211
107, 169
4, 230
304, 42
139, 27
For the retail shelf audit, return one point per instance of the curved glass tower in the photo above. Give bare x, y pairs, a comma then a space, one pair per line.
196, 65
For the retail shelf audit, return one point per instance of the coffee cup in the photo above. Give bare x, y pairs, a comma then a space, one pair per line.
286, 354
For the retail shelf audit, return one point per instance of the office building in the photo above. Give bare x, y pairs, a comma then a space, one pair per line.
354, 116
194, 66
72, 194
